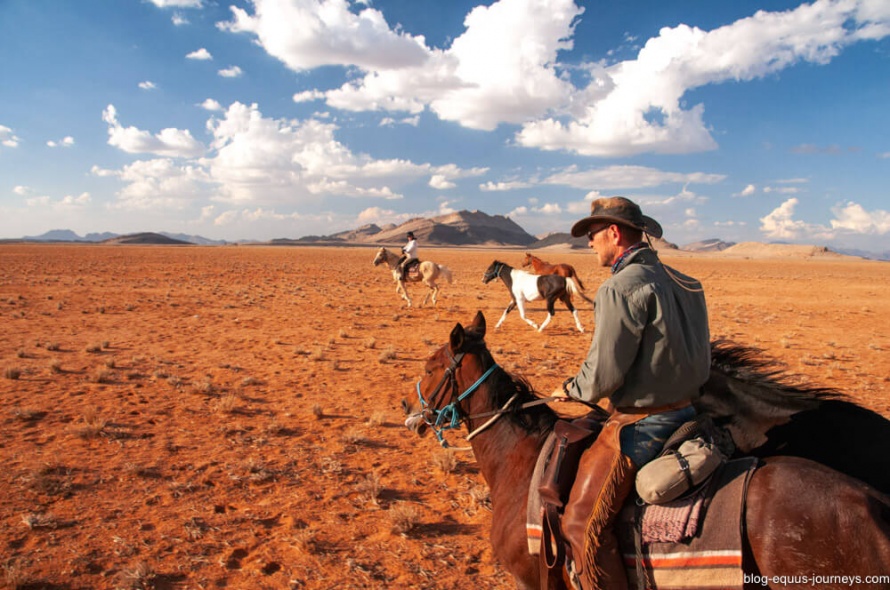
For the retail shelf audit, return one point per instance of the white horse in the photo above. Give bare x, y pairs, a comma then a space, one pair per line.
425, 271
525, 287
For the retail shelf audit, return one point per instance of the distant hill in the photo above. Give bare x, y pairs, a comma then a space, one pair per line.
761, 250
147, 238
463, 228
66, 235
712, 245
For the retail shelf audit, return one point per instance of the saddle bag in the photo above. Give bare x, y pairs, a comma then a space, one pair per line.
572, 439
677, 471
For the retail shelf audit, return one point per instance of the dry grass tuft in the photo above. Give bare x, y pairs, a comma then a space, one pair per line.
140, 577
12, 373
387, 355
445, 461
36, 520
403, 518
317, 411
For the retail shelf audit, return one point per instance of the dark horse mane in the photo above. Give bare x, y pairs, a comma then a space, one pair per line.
766, 377
502, 385
768, 412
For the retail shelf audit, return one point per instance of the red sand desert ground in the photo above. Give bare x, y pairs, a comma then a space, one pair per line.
227, 417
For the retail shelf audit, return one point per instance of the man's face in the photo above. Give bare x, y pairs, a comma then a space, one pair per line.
601, 241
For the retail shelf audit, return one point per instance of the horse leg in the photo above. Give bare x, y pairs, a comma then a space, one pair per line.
568, 301
504, 316
521, 305
401, 290
550, 311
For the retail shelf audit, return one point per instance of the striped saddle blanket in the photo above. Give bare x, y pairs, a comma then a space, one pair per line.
679, 549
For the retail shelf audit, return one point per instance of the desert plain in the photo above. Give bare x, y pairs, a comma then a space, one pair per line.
228, 416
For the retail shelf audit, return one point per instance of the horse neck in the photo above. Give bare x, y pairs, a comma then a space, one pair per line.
505, 452
392, 260
539, 264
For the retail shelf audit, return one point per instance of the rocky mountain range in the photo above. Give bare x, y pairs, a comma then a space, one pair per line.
462, 228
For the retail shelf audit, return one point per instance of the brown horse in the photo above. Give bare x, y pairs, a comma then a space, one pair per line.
545, 268
801, 518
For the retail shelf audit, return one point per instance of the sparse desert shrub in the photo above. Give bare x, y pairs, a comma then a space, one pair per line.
378, 418
330, 465
403, 517
317, 411
248, 381
387, 355
445, 461
21, 353
53, 346
204, 387
317, 354
110, 363
34, 520
95, 347
102, 376
28, 414
227, 403
12, 373
343, 333
304, 541
370, 343
55, 366
354, 436
369, 488
140, 577
93, 424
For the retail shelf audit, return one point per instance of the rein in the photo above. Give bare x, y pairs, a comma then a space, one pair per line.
448, 418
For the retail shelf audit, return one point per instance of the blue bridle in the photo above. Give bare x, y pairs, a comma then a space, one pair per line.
447, 418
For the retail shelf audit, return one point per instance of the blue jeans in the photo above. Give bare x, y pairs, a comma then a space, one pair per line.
643, 440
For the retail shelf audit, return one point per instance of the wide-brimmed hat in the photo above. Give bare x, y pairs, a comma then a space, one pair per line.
620, 210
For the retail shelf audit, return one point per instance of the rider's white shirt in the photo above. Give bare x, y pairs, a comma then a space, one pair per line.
410, 250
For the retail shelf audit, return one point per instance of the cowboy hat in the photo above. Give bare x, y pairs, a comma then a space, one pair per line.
620, 210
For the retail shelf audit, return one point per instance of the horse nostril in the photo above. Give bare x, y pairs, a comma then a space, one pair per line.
405, 407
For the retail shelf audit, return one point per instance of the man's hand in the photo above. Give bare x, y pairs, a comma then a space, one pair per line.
561, 393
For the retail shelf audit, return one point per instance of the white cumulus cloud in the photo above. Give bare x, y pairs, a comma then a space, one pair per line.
230, 72
66, 141
147, 85
7, 137
853, 217
168, 142
200, 54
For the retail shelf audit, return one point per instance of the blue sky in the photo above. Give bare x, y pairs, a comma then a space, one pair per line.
261, 119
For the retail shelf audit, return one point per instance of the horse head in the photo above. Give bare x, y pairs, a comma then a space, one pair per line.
526, 262
381, 256
492, 272
451, 374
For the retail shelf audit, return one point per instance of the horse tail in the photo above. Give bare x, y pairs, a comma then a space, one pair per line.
577, 279
572, 289
446, 272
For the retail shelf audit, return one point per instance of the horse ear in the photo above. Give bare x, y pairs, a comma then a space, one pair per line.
478, 325
457, 337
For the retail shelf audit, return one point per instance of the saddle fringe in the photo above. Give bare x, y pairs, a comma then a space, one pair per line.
621, 470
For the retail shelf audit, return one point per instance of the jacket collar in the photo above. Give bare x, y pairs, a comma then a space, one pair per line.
636, 251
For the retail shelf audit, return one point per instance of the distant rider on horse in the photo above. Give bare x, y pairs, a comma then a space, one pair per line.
649, 357
409, 255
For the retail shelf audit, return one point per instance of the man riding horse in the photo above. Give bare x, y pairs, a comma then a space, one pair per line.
649, 357
409, 255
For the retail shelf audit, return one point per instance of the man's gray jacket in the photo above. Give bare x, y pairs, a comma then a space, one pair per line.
651, 344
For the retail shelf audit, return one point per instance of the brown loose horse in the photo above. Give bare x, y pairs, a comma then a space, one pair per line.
545, 268
801, 518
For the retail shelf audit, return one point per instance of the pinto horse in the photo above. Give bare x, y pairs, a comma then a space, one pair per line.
427, 272
545, 268
800, 517
525, 287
